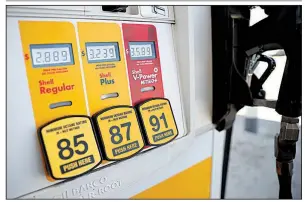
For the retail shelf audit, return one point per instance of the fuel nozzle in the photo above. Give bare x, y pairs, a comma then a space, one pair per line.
282, 30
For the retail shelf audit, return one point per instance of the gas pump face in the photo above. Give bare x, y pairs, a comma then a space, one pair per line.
92, 93
109, 104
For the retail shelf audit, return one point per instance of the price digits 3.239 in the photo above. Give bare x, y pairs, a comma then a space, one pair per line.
101, 53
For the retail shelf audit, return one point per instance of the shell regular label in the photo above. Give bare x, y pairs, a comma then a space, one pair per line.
53, 69
158, 121
104, 65
143, 62
120, 132
70, 147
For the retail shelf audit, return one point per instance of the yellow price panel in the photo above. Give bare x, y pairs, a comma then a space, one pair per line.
120, 132
70, 146
104, 65
53, 69
158, 121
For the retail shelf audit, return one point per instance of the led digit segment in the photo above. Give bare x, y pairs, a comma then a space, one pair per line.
158, 121
102, 52
142, 50
70, 146
51, 55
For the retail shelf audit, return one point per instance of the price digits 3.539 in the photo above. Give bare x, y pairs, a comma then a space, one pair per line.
138, 51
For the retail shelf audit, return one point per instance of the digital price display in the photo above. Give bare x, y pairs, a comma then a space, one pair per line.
70, 146
102, 52
142, 50
158, 121
51, 55
120, 132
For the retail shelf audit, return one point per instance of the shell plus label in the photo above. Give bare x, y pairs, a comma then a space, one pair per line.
104, 65
106, 79
143, 62
120, 132
158, 121
70, 147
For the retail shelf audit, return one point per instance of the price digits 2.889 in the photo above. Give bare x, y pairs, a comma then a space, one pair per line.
51, 56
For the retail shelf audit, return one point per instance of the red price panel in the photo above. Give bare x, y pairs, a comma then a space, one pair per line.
143, 62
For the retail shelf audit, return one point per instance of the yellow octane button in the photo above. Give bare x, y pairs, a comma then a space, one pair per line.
70, 146
119, 131
158, 121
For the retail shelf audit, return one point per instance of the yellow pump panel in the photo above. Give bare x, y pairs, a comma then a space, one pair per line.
104, 65
52, 84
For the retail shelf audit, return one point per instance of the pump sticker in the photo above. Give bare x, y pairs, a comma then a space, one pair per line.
143, 61
104, 65
158, 121
70, 147
120, 132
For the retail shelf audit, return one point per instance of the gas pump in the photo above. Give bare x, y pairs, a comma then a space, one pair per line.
236, 53
97, 96
108, 102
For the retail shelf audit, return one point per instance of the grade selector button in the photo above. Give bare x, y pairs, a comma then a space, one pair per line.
158, 121
119, 131
70, 146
